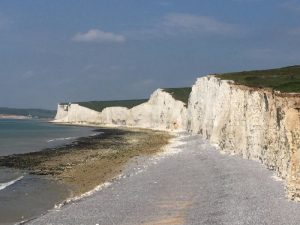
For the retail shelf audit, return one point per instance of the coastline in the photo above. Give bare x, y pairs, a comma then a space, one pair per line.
15, 117
90, 161
114, 126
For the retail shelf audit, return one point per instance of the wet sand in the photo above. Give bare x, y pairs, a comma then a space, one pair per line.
90, 161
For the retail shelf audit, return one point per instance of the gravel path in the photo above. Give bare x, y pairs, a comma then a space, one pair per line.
198, 185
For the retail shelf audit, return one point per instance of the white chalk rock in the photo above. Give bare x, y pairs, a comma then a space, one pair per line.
162, 111
251, 122
74, 113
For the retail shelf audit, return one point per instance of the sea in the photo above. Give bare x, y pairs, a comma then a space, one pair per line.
24, 196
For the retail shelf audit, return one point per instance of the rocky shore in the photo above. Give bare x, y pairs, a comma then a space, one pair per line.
193, 185
90, 161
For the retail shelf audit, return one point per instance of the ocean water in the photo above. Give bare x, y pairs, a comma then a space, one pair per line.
20, 136
24, 196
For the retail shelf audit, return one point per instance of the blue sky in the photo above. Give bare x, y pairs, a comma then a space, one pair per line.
76, 50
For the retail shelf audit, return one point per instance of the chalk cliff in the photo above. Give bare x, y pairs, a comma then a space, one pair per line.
74, 113
258, 124
162, 111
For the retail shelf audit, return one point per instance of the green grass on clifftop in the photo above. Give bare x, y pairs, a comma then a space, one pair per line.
285, 79
100, 105
181, 94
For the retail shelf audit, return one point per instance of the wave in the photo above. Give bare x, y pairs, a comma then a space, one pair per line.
84, 195
95, 134
5, 185
62, 139
72, 138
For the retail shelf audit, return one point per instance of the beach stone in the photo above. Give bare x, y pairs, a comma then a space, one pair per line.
189, 184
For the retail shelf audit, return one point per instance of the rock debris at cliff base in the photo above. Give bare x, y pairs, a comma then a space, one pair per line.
90, 161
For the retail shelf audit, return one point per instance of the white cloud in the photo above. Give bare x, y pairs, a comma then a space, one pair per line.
180, 22
165, 3
291, 5
295, 31
4, 21
96, 35
28, 75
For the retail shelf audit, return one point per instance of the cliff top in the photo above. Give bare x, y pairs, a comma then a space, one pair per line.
181, 94
100, 105
285, 79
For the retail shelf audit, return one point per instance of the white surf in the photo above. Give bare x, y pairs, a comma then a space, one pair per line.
7, 184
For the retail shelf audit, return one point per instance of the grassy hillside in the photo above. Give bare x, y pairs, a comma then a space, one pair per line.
286, 79
40, 113
181, 94
100, 105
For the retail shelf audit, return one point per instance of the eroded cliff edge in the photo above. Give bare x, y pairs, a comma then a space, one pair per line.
258, 124
161, 111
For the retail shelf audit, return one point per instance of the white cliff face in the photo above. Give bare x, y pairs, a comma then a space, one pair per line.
162, 111
74, 113
115, 116
255, 123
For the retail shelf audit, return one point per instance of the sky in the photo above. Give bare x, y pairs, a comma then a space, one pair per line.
55, 51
